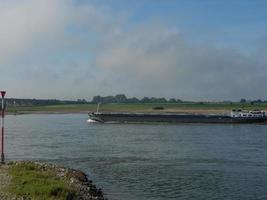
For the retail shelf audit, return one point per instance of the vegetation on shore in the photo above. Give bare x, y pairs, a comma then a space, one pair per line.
28, 180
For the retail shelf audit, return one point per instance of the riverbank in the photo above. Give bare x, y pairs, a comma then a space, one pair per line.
35, 180
207, 108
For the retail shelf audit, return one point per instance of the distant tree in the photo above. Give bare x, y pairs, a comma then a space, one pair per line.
157, 100
120, 98
258, 101
162, 100
145, 100
133, 100
109, 99
153, 100
243, 100
97, 99
81, 101
172, 100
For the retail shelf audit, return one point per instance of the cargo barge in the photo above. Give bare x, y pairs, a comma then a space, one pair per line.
235, 116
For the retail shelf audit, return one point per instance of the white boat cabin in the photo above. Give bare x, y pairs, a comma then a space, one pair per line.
247, 114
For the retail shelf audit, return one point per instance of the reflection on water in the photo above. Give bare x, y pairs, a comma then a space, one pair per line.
145, 162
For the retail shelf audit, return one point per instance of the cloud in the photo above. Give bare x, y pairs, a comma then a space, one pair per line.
25, 23
63, 49
40, 51
160, 60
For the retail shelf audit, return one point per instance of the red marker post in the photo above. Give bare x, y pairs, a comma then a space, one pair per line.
3, 93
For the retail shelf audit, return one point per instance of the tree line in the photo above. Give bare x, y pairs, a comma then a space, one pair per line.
243, 100
119, 98
36, 102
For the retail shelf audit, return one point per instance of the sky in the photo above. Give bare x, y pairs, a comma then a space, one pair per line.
203, 50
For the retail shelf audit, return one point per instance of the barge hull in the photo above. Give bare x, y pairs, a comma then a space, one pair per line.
170, 118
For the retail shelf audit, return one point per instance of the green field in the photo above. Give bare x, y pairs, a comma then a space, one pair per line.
139, 107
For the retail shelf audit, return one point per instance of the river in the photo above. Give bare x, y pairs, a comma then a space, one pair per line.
148, 162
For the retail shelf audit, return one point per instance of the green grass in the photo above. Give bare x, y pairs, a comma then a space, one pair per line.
136, 107
27, 180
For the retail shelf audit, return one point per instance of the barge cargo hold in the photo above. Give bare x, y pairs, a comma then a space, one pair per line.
236, 116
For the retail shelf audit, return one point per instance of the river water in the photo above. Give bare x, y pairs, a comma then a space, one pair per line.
148, 162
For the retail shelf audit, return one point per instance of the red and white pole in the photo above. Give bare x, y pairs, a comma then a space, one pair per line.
3, 93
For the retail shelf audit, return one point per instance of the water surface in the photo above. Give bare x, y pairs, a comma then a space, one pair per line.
148, 162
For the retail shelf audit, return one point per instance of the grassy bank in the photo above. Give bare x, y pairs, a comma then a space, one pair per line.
29, 180
41, 181
138, 107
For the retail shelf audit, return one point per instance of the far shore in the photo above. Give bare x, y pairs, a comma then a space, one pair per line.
205, 108
193, 111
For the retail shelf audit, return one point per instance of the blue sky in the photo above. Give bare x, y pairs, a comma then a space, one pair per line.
192, 50
232, 22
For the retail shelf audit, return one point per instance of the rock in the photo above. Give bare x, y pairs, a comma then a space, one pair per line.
72, 180
81, 176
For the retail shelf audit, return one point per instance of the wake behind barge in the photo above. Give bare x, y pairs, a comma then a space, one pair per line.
236, 116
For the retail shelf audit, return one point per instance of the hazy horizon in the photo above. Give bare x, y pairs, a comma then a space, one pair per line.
140, 98
191, 50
